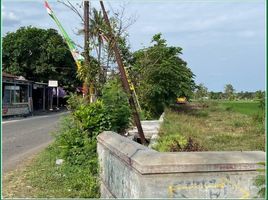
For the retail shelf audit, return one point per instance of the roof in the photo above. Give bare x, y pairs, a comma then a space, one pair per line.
4, 74
9, 78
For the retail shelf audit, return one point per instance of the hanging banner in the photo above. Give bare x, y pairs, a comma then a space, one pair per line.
77, 57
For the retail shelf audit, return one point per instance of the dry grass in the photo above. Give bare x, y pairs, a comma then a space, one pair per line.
214, 129
15, 184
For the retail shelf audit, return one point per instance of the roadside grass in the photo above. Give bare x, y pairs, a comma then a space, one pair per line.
212, 127
42, 178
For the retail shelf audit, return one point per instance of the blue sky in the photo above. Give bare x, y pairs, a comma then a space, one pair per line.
223, 41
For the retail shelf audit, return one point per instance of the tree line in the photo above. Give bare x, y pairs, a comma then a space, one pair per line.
158, 72
229, 93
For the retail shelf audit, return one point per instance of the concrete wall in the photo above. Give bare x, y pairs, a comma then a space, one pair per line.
130, 170
16, 109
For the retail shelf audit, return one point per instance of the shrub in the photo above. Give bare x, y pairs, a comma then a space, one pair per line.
77, 138
116, 104
93, 118
171, 143
80, 166
74, 101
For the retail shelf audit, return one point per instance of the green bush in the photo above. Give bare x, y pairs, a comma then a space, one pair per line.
93, 118
171, 143
76, 141
77, 138
116, 104
74, 101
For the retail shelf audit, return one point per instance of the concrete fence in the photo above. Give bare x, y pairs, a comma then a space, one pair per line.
130, 170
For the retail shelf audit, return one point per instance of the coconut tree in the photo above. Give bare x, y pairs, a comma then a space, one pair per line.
97, 27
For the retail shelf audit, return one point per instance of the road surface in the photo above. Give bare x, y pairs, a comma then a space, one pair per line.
25, 137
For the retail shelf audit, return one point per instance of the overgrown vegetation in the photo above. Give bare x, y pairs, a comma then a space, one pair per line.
211, 127
160, 76
116, 104
76, 140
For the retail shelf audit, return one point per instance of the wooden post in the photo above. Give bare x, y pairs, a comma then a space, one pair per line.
123, 76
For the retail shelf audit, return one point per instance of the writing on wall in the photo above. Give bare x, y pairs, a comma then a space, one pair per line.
211, 188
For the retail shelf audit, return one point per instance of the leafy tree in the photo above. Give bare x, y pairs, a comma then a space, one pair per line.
161, 75
116, 104
229, 91
39, 55
201, 91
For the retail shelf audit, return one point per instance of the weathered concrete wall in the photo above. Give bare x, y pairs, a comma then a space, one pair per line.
16, 109
130, 170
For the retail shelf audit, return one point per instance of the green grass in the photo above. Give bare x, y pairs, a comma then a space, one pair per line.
212, 127
42, 178
243, 107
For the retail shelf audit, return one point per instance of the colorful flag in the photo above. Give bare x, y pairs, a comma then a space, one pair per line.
77, 57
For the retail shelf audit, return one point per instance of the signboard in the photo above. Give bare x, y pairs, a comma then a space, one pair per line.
12, 87
52, 83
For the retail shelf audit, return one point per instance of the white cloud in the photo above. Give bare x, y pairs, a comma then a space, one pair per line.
9, 18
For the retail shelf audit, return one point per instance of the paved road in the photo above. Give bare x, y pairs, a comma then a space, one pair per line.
25, 137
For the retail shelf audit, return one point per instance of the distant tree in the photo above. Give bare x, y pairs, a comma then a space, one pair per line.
38, 55
201, 91
215, 95
161, 75
246, 95
229, 91
259, 94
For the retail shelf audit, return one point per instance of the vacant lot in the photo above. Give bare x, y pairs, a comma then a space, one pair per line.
213, 126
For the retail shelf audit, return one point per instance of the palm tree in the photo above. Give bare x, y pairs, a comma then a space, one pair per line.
97, 27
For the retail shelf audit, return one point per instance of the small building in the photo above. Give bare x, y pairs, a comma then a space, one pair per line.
21, 96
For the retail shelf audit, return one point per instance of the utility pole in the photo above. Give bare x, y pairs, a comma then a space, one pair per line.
86, 42
89, 90
123, 76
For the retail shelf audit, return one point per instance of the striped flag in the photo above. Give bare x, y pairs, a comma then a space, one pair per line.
49, 11
77, 57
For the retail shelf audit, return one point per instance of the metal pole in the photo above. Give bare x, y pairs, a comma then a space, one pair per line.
123, 76
57, 98
51, 100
